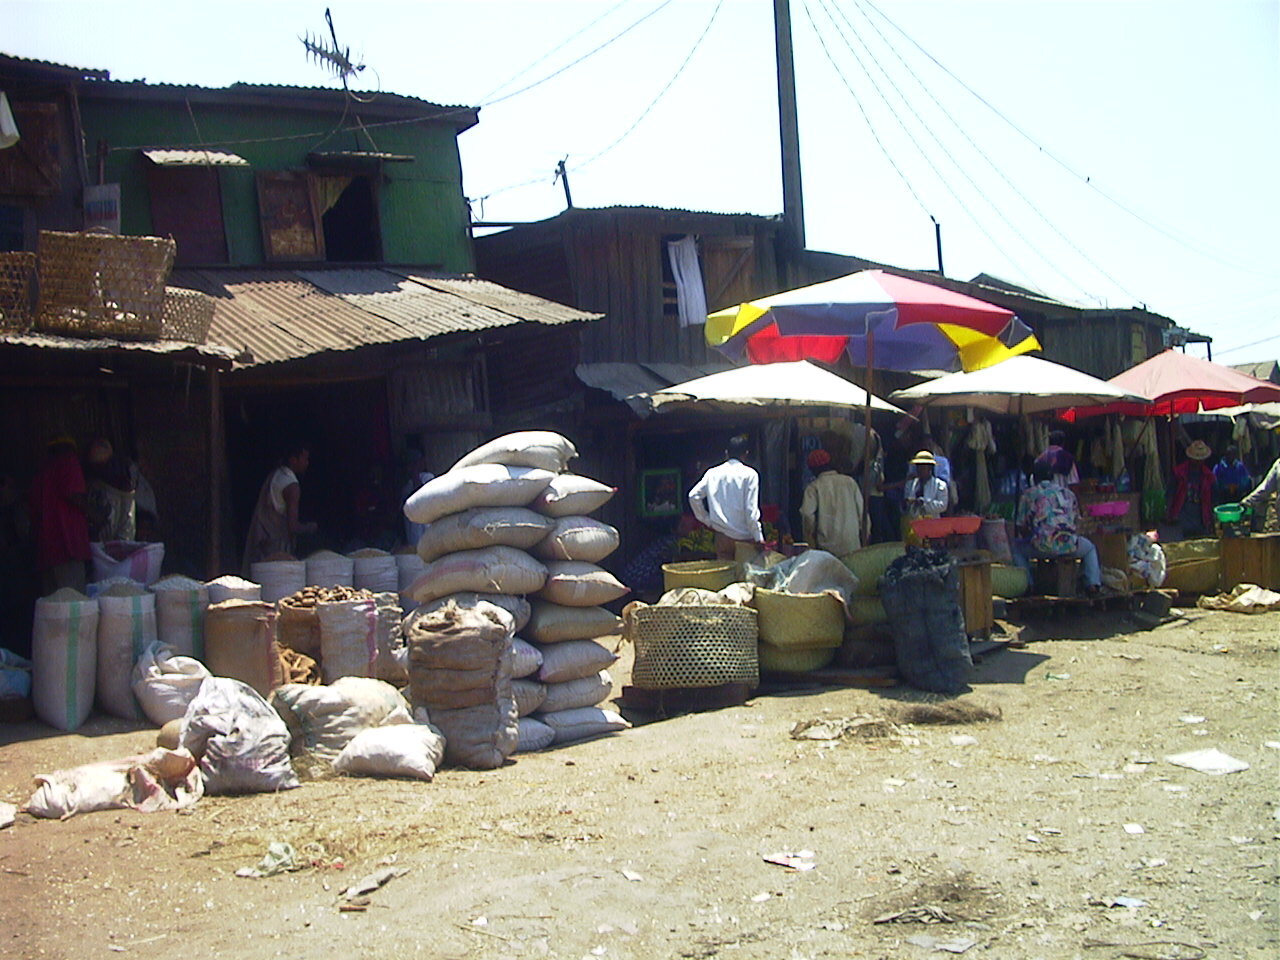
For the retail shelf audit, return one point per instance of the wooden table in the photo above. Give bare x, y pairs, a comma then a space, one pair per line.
975, 596
1252, 559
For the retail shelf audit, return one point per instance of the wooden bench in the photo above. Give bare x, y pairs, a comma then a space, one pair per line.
1055, 576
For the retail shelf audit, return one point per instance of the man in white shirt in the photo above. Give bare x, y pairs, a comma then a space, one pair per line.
831, 508
925, 495
1268, 488
727, 499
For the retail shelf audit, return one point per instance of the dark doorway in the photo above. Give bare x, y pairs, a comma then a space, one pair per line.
351, 225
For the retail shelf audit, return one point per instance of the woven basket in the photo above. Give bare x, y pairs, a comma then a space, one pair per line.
707, 574
692, 646
785, 660
186, 315
799, 621
1194, 576
100, 285
16, 271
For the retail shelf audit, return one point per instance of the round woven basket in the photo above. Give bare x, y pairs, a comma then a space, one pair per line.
778, 660
692, 646
799, 621
706, 574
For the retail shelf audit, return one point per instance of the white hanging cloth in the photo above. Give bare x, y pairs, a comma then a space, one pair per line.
8, 126
691, 296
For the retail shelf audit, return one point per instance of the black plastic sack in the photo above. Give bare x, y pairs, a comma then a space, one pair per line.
921, 595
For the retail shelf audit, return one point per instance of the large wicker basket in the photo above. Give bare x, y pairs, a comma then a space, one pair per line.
799, 621
16, 272
788, 660
692, 646
101, 285
707, 574
186, 315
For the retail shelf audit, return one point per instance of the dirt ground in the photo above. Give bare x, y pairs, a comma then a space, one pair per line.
1014, 838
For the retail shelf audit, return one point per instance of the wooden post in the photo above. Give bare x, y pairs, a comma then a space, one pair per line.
789, 127
217, 469
865, 537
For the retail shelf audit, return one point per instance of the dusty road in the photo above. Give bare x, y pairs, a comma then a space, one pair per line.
1058, 831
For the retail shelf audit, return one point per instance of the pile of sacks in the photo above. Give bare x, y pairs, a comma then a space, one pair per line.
508, 522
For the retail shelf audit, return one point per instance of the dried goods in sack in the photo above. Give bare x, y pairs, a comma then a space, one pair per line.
921, 597
231, 587
159, 780
529, 695
573, 659
582, 692
460, 672
578, 538
64, 658
525, 448
166, 683
238, 739
328, 569
525, 658
348, 638
483, 485
180, 606
574, 583
534, 735
374, 570
582, 723
556, 623
240, 642
413, 750
392, 663
570, 495
322, 720
491, 570
480, 527
126, 625
517, 607
279, 578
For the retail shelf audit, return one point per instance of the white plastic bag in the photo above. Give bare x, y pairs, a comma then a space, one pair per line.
322, 720
240, 741
159, 780
165, 683
403, 750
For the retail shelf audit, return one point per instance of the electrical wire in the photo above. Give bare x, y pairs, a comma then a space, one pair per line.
982, 153
1246, 346
923, 153
1083, 178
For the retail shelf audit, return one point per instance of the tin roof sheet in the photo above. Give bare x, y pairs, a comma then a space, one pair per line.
173, 348
277, 315
195, 158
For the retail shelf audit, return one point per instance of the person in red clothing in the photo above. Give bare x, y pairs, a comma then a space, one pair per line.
58, 518
1192, 505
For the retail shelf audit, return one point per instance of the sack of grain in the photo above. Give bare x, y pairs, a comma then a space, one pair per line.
328, 569
573, 583
517, 607
570, 495
239, 739
525, 658
64, 656
348, 638
413, 750
554, 623
322, 720
491, 570
582, 692
374, 570
240, 643
126, 624
180, 606
279, 578
231, 587
483, 485
392, 662
134, 559
577, 538
527, 448
529, 695
581, 723
409, 567
165, 683
481, 527
534, 735
460, 672
573, 659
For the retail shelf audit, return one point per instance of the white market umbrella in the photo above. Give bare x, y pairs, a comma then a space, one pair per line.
796, 383
1016, 386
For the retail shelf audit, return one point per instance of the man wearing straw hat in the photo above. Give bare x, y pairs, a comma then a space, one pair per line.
727, 499
1192, 505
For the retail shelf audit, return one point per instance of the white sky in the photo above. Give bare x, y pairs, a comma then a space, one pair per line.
1171, 108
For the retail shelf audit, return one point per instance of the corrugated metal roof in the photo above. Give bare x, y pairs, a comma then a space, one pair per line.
172, 348
49, 65
279, 315
623, 380
195, 158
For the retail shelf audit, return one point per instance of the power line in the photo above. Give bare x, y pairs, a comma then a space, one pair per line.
1246, 346
994, 166
1086, 180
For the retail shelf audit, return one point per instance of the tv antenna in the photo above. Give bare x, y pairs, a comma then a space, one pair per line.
329, 54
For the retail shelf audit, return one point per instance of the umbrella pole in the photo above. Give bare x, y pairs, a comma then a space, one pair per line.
865, 537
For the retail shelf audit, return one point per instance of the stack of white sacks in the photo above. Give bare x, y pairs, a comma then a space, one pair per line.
507, 522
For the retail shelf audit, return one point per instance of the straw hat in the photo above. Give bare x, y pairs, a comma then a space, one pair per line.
1199, 450
924, 456
819, 458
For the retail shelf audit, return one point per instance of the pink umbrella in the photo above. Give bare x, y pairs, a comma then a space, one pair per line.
1179, 383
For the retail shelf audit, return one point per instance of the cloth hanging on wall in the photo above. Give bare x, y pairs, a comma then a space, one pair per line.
691, 296
8, 126
982, 442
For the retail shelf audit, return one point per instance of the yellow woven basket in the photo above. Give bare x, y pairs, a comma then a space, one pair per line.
16, 272
1194, 576
706, 574
785, 660
799, 621
186, 315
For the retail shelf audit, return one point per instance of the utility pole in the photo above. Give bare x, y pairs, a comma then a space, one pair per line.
563, 176
789, 128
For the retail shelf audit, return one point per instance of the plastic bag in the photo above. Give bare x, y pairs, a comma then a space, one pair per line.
165, 683
239, 739
921, 596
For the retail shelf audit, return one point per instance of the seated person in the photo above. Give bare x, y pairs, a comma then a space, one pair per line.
1047, 514
1060, 460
